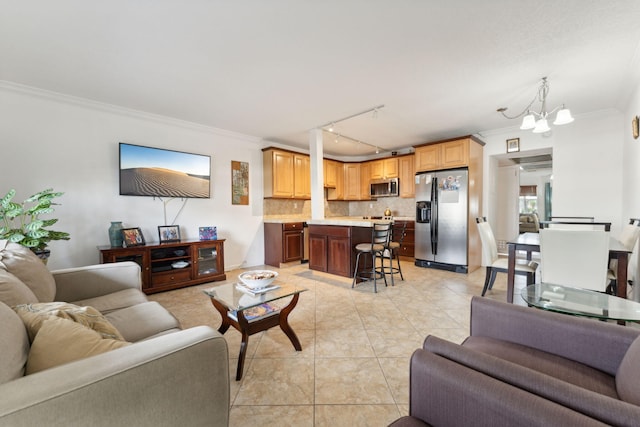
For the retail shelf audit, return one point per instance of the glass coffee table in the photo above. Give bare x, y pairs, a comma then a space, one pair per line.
581, 302
251, 313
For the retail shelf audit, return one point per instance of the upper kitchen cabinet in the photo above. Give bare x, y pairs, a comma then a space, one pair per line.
352, 186
330, 173
286, 174
301, 176
365, 181
384, 168
406, 166
446, 154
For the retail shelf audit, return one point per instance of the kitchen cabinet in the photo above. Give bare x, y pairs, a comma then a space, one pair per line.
163, 264
301, 176
283, 242
406, 166
365, 181
331, 247
330, 173
384, 168
352, 186
286, 175
443, 155
407, 249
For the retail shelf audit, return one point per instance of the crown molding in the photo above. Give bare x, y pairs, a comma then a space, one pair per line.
123, 111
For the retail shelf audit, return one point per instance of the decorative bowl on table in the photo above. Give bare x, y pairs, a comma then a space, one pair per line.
257, 279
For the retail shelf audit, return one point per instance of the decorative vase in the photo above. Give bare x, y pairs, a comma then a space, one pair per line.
115, 234
43, 254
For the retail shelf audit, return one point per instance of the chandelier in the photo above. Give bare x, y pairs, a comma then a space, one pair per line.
538, 120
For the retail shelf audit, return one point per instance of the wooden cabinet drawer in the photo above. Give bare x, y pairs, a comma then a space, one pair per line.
173, 276
291, 226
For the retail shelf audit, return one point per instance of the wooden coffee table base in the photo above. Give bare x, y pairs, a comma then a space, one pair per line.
247, 328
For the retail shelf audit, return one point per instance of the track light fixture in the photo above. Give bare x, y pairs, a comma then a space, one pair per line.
330, 126
538, 120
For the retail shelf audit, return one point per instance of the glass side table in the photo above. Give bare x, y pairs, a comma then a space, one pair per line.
581, 302
250, 313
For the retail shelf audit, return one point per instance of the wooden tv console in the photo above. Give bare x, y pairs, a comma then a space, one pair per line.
161, 263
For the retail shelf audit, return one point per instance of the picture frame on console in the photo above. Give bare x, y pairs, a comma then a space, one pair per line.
132, 237
169, 233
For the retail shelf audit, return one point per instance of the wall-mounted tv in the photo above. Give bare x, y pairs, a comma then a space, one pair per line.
156, 172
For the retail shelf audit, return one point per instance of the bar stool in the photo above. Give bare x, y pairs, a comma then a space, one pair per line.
379, 239
392, 250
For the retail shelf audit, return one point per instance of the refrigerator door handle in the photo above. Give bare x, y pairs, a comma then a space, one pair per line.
434, 216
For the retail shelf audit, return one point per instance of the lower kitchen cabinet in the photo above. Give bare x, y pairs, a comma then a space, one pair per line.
283, 242
331, 247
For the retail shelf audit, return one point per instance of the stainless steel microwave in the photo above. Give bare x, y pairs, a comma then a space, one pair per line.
384, 188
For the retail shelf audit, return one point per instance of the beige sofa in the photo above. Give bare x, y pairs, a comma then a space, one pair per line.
529, 223
165, 376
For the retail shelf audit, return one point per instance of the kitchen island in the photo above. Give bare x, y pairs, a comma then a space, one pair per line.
332, 243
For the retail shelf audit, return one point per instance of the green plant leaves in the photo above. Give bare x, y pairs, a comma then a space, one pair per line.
21, 224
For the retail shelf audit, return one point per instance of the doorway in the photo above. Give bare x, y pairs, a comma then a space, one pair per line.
524, 182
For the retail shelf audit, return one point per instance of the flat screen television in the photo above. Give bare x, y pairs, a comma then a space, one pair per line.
157, 172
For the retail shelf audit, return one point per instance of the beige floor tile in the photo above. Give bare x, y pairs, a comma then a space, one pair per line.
354, 366
277, 382
343, 343
281, 416
355, 415
396, 371
350, 381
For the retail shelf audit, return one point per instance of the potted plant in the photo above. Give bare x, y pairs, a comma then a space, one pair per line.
21, 222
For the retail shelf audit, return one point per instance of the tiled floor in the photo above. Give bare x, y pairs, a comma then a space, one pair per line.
354, 366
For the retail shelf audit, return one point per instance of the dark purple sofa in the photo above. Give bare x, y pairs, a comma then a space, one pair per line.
527, 367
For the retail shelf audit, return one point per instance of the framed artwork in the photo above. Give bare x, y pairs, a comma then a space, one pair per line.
132, 237
208, 233
634, 127
513, 145
169, 233
239, 183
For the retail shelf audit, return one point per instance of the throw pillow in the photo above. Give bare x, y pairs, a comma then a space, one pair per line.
13, 291
61, 341
628, 376
33, 316
26, 266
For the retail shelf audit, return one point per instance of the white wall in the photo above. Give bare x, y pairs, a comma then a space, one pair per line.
631, 160
50, 140
587, 155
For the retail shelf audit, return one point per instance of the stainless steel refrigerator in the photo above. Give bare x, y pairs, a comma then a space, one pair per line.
442, 219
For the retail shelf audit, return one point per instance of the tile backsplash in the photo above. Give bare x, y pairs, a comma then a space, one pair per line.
399, 207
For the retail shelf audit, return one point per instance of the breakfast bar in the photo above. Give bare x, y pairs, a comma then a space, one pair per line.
332, 242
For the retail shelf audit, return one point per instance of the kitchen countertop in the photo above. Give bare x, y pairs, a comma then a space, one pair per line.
346, 221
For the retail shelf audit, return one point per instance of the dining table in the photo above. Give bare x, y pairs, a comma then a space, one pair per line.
530, 242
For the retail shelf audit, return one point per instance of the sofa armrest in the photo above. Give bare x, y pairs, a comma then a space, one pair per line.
177, 379
597, 344
445, 393
74, 284
595, 405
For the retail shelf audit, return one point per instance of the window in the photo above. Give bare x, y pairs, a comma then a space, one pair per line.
528, 199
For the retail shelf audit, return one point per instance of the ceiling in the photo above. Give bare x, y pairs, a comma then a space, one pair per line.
276, 69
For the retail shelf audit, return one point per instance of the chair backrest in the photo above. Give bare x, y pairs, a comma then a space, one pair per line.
576, 258
489, 244
576, 225
380, 233
630, 233
398, 231
572, 218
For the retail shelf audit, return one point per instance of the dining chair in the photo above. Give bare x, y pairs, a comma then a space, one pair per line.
575, 257
628, 237
379, 238
495, 263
